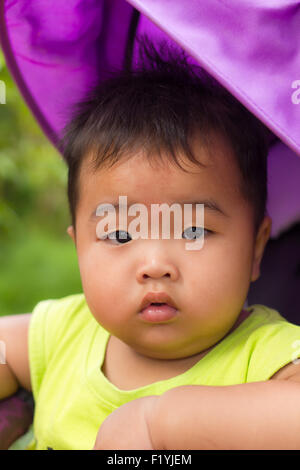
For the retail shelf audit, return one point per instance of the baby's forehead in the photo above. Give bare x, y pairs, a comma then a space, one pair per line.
215, 156
148, 181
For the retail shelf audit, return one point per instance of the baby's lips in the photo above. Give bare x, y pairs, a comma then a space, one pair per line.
158, 313
157, 297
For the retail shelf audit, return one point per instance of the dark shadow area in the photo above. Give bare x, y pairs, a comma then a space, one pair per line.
279, 284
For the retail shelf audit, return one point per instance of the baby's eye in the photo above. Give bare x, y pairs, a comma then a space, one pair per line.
112, 236
191, 233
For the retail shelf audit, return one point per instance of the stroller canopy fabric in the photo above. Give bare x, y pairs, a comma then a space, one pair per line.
57, 51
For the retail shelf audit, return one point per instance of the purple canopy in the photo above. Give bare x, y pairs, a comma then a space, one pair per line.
57, 50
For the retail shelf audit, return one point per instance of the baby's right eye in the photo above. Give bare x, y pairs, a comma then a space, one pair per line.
115, 236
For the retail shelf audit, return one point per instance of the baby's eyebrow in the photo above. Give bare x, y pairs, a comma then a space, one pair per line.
209, 204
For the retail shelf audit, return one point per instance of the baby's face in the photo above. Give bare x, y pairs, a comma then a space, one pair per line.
209, 286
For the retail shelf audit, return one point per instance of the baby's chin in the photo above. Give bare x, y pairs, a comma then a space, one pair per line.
171, 351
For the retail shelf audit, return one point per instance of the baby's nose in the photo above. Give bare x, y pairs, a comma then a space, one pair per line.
157, 269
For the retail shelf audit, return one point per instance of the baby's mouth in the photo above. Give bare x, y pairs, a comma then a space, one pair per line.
157, 307
158, 312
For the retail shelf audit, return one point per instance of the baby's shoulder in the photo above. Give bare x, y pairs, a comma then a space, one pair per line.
60, 307
265, 327
59, 318
272, 342
262, 318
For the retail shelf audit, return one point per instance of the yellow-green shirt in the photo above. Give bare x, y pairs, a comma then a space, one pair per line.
73, 397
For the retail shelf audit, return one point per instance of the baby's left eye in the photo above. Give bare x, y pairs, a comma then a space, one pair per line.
194, 232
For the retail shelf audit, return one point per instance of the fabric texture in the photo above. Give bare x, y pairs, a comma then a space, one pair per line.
25, 441
16, 414
73, 397
56, 50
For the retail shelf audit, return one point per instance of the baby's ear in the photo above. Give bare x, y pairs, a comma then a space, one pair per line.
262, 238
71, 232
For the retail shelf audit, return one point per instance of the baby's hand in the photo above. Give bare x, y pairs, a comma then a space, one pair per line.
128, 427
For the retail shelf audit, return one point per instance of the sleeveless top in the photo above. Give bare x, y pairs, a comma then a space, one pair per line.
73, 397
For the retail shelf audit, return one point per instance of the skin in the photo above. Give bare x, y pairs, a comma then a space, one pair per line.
209, 286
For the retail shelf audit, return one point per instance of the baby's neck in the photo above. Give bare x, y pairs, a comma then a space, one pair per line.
136, 370
128, 370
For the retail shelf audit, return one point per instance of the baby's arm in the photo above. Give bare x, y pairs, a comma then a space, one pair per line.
14, 344
258, 415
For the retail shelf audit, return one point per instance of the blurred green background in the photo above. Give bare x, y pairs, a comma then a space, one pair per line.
37, 258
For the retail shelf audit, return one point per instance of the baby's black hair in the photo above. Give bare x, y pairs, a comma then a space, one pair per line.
158, 106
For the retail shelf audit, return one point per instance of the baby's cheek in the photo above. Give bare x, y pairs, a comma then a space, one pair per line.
220, 279
233, 286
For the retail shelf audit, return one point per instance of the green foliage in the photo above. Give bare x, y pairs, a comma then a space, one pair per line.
37, 258
35, 267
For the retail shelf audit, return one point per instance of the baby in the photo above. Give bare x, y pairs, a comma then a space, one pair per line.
160, 350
